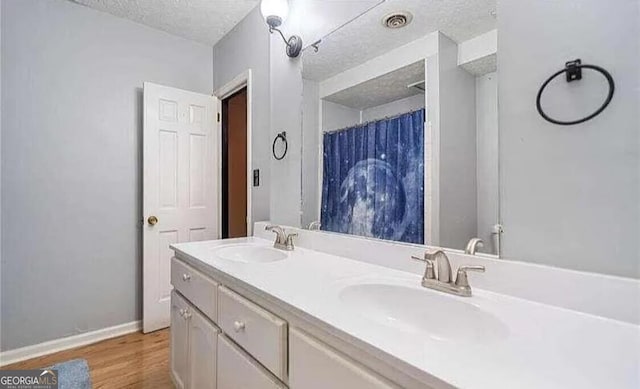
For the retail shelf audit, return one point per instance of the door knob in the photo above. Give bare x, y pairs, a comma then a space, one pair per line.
152, 220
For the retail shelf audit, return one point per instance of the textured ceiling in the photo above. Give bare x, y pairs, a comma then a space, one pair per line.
365, 38
314, 19
204, 21
381, 90
482, 65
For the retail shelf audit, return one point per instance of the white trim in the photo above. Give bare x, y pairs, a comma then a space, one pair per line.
479, 47
427, 183
56, 345
242, 80
320, 158
412, 52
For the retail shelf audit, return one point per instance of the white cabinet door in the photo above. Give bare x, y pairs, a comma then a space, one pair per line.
203, 345
178, 358
236, 370
179, 187
313, 365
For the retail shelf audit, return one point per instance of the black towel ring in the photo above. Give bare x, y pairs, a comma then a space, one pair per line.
281, 135
573, 69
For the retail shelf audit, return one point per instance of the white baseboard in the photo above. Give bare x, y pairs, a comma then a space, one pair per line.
53, 346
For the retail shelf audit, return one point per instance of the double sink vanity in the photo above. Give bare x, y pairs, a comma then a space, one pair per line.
247, 315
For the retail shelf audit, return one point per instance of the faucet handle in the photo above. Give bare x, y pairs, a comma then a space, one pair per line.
419, 259
289, 240
429, 272
291, 236
461, 278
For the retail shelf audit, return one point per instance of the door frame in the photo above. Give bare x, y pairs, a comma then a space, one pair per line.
242, 80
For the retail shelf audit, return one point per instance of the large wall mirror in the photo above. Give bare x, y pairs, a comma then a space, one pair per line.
400, 126
421, 124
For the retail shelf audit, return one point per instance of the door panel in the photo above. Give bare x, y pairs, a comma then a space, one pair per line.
203, 341
237, 370
178, 357
179, 186
313, 365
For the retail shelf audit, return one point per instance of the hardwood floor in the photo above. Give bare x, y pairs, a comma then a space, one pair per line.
129, 361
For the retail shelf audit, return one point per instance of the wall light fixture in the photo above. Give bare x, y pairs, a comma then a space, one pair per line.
274, 13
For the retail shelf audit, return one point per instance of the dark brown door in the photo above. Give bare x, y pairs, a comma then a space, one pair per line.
234, 165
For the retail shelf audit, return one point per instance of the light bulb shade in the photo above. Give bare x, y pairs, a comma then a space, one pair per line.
274, 12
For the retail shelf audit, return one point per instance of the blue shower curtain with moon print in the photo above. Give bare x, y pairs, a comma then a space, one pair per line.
373, 179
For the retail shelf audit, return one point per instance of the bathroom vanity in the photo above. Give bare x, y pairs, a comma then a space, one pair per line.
246, 315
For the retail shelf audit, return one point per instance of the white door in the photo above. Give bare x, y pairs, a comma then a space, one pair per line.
179, 187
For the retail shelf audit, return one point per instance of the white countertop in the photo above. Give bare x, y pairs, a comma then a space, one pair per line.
540, 346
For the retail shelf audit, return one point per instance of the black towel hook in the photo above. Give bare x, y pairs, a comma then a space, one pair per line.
281, 135
573, 70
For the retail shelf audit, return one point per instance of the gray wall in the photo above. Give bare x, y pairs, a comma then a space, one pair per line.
286, 115
487, 150
1, 167
71, 163
457, 181
337, 116
570, 194
276, 107
247, 47
393, 108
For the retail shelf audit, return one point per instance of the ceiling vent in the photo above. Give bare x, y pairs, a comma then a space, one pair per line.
397, 20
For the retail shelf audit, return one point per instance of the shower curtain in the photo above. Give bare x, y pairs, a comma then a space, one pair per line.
373, 179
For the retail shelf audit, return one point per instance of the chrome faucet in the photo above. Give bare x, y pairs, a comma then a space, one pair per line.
441, 281
283, 240
314, 226
473, 246
442, 264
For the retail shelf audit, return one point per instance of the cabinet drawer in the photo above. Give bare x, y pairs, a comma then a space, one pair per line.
200, 290
237, 370
259, 332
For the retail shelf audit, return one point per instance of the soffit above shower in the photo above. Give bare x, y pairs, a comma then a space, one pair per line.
204, 21
366, 38
382, 90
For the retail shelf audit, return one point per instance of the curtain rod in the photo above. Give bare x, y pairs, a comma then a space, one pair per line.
373, 121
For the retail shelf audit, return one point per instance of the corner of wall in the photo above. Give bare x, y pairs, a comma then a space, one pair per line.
454, 145
286, 95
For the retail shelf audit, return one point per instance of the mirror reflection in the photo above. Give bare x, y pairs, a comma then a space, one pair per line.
400, 127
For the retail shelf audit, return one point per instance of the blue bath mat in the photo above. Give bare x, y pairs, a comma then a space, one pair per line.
73, 374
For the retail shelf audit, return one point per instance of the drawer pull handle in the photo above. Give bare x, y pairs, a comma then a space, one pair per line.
238, 326
186, 277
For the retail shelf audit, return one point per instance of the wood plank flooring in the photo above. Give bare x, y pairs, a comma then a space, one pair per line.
130, 361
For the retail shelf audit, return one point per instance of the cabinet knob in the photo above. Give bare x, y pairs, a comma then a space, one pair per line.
181, 311
238, 326
186, 277
187, 314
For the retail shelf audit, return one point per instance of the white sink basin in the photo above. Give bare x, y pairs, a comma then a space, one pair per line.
424, 312
247, 253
